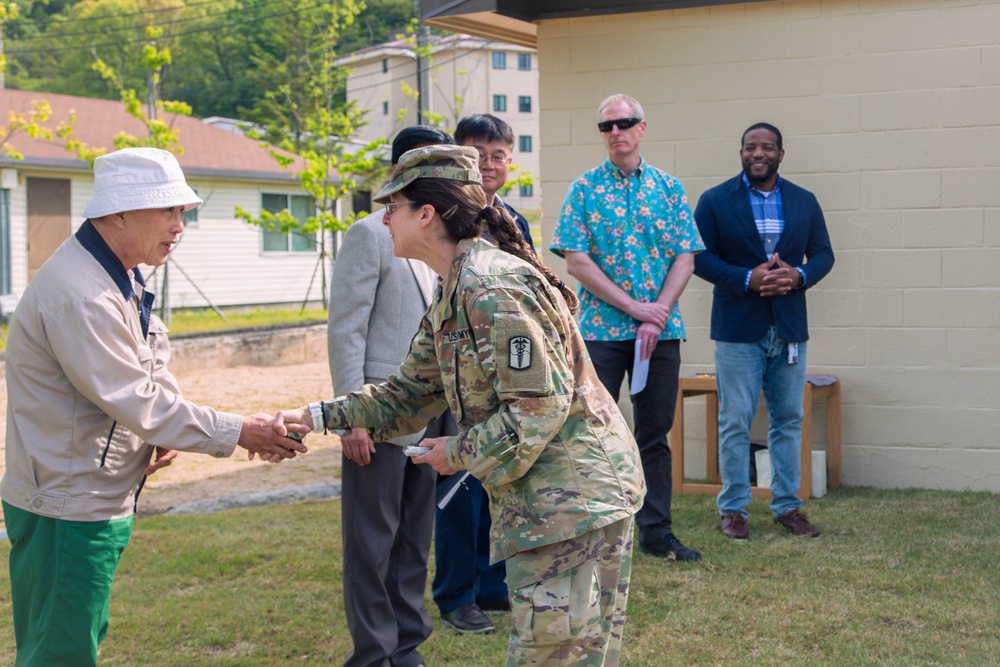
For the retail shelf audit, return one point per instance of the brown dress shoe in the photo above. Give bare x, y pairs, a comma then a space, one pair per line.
733, 526
797, 524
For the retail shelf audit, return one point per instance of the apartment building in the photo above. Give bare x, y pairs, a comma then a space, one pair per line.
466, 75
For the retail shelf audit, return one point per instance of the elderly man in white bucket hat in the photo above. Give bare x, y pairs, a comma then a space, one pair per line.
92, 408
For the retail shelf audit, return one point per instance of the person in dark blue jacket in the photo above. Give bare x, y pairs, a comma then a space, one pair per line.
465, 584
766, 243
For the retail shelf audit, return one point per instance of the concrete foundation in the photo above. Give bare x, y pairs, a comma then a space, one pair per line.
261, 346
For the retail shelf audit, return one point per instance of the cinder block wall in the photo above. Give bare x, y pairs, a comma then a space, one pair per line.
890, 112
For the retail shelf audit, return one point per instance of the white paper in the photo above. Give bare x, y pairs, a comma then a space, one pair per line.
640, 370
452, 491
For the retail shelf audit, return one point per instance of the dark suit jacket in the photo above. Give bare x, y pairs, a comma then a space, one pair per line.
733, 246
522, 224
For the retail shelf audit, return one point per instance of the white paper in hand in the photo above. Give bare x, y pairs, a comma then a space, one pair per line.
640, 369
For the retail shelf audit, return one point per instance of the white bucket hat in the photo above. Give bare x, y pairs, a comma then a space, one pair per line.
133, 179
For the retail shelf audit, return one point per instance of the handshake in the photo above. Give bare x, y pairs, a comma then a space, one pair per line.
274, 439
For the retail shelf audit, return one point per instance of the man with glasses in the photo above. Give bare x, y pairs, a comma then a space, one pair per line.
628, 236
494, 139
465, 584
388, 501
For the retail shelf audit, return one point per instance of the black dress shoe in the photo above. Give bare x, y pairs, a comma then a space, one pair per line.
468, 619
499, 605
669, 547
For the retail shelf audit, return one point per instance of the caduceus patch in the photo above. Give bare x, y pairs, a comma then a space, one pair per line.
519, 353
518, 337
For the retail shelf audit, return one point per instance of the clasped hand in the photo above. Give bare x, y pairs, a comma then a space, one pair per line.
774, 277
264, 436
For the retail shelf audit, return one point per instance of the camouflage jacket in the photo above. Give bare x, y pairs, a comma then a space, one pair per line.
499, 347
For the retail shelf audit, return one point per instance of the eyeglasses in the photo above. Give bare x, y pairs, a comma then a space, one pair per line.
496, 158
393, 205
620, 123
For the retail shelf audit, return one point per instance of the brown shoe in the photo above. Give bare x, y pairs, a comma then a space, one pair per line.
733, 526
797, 524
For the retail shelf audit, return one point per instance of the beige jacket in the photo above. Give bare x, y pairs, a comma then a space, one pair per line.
88, 396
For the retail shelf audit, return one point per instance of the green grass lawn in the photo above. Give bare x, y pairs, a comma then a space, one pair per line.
192, 320
898, 578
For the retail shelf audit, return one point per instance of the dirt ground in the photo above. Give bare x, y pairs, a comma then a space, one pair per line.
243, 390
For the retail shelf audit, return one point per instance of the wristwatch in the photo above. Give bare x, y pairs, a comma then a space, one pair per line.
316, 412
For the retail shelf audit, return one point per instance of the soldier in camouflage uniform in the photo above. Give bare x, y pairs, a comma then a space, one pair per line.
500, 347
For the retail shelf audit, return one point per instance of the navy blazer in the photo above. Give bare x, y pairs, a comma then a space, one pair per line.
733, 246
522, 224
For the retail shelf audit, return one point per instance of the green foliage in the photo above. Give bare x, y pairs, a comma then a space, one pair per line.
515, 179
160, 133
223, 53
307, 124
380, 21
31, 124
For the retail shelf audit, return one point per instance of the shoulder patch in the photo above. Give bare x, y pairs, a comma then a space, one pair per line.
522, 362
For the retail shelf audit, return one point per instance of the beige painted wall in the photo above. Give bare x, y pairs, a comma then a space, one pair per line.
890, 111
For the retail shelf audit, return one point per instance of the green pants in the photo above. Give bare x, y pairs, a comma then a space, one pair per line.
60, 579
568, 600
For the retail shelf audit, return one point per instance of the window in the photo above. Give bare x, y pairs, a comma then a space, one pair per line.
385, 108
524, 104
385, 65
301, 207
499, 60
191, 215
524, 143
499, 102
527, 190
524, 62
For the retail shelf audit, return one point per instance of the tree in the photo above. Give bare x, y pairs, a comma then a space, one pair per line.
305, 117
380, 21
159, 126
30, 124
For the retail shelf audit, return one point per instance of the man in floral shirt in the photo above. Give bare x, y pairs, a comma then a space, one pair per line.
629, 237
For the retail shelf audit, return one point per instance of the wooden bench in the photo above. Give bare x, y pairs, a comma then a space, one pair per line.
704, 385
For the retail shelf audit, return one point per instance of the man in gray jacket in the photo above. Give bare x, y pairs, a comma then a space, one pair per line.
388, 501
91, 402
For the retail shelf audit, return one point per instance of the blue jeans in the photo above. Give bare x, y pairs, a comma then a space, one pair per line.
743, 369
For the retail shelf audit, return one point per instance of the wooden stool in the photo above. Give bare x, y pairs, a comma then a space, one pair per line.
705, 385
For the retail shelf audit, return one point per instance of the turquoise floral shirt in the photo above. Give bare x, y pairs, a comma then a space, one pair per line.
632, 226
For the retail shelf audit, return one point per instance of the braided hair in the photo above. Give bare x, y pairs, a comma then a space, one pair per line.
463, 209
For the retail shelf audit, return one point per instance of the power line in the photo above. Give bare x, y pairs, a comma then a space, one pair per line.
69, 49
430, 66
142, 13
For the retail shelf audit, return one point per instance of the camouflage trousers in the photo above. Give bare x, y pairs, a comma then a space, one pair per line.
568, 599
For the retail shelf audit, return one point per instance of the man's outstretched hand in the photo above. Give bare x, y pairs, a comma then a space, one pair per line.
260, 436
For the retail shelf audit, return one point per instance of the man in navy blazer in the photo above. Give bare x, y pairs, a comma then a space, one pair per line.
766, 244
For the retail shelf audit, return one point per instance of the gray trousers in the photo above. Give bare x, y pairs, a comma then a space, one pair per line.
388, 520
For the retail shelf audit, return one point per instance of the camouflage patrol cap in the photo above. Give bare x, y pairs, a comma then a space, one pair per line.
455, 163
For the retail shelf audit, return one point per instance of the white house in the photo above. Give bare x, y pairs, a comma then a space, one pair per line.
890, 111
468, 75
220, 259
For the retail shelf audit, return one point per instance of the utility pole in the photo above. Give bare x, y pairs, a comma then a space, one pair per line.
165, 313
423, 70
1, 55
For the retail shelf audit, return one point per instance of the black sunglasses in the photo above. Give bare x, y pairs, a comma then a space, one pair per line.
622, 123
